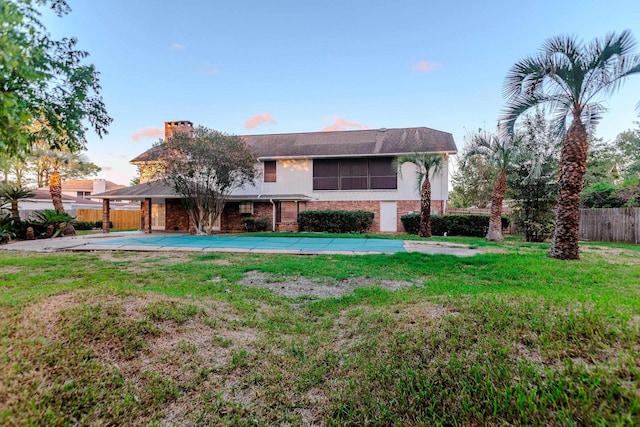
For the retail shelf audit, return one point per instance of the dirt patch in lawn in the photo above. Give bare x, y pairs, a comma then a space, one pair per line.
319, 287
612, 255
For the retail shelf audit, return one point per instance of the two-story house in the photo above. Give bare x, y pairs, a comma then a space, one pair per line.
343, 170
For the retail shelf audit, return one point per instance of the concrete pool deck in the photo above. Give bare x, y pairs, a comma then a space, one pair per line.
173, 242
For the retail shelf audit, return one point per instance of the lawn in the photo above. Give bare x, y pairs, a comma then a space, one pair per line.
506, 337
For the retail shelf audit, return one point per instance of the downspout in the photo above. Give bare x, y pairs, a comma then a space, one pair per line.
273, 215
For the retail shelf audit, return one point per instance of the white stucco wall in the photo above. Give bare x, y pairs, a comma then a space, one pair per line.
296, 177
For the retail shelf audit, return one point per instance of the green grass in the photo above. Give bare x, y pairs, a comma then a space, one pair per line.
506, 337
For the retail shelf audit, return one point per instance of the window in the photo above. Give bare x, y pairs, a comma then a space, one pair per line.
270, 171
382, 174
287, 212
354, 174
246, 208
83, 194
326, 175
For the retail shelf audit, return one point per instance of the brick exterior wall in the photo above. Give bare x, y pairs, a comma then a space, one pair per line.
349, 206
406, 206
145, 216
231, 220
176, 216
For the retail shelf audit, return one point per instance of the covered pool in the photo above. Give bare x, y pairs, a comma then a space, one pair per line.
308, 245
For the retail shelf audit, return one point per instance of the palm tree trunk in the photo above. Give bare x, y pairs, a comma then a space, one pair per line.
425, 208
14, 209
55, 188
573, 165
494, 234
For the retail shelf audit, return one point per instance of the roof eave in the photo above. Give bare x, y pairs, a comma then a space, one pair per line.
335, 156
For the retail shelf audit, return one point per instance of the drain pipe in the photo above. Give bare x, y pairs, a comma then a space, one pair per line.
273, 215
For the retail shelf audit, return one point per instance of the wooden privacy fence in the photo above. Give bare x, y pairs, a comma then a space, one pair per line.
610, 225
121, 218
475, 211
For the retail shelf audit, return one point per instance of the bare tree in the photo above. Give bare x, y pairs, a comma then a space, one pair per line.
204, 168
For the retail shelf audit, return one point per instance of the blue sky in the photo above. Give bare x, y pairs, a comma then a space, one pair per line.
252, 67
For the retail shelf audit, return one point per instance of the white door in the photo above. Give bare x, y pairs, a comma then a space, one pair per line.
157, 216
389, 217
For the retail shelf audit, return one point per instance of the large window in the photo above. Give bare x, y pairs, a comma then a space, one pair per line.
288, 211
270, 171
354, 174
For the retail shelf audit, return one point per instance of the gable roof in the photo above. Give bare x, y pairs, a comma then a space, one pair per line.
354, 143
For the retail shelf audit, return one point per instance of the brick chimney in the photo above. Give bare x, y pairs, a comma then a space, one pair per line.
177, 126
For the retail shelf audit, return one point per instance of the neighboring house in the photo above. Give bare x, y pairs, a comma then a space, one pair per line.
344, 170
85, 188
42, 200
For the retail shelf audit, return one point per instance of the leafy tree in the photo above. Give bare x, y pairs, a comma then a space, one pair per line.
603, 161
472, 181
569, 77
532, 179
628, 143
205, 168
42, 161
601, 195
426, 166
501, 151
44, 81
6, 164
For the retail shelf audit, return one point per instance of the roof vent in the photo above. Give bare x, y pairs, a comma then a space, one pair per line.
382, 130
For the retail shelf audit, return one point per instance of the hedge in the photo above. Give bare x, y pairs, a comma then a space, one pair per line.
98, 224
453, 225
84, 225
259, 224
335, 221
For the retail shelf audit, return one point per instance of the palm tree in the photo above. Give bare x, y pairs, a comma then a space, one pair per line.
426, 166
13, 195
501, 151
570, 77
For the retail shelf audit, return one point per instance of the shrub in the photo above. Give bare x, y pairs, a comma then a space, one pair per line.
411, 223
453, 225
98, 224
7, 226
50, 219
335, 221
256, 224
84, 225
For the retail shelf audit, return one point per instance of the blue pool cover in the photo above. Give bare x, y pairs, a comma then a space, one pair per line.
248, 243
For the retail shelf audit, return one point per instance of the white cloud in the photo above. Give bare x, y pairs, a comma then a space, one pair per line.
425, 66
259, 120
147, 133
341, 123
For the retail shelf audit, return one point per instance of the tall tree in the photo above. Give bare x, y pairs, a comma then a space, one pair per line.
532, 179
500, 150
204, 168
628, 143
473, 179
570, 77
426, 165
42, 160
44, 81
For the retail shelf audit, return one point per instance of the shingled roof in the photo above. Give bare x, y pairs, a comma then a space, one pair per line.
354, 143
159, 189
